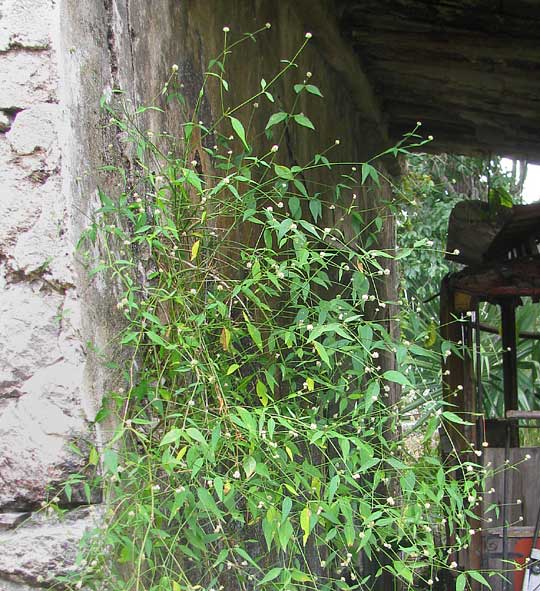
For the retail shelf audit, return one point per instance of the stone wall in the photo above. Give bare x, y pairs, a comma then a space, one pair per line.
57, 59
42, 350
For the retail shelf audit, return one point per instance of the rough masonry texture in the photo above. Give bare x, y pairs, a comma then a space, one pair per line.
57, 59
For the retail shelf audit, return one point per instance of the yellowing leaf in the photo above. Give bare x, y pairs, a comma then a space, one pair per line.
289, 453
262, 392
225, 339
93, 458
310, 384
195, 249
304, 523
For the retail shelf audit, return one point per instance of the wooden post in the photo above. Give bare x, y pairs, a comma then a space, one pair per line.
509, 344
459, 390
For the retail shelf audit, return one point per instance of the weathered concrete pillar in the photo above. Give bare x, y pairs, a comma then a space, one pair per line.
45, 400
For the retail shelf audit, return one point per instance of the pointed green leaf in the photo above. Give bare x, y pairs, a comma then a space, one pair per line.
276, 118
239, 130
283, 172
302, 120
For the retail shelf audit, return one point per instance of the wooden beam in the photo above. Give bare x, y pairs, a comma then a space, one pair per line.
424, 16
320, 19
518, 277
471, 48
533, 336
523, 414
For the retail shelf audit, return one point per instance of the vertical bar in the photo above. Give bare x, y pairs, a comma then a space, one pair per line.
509, 342
479, 388
459, 390
505, 503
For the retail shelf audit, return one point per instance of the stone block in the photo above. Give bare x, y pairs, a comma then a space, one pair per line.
43, 548
26, 78
30, 325
35, 129
35, 457
12, 520
25, 23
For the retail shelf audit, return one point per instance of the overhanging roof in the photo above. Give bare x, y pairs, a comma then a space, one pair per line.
468, 69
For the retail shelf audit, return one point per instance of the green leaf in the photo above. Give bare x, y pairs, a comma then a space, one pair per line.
294, 207
302, 120
312, 89
286, 507
395, 376
192, 178
461, 581
322, 353
93, 458
110, 461
250, 466
172, 436
285, 533
239, 130
271, 575
369, 171
283, 172
480, 578
195, 434
232, 368
315, 207
255, 335
268, 527
332, 488
276, 118
453, 418
156, 338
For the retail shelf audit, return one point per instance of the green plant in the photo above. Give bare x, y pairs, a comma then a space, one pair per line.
255, 446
